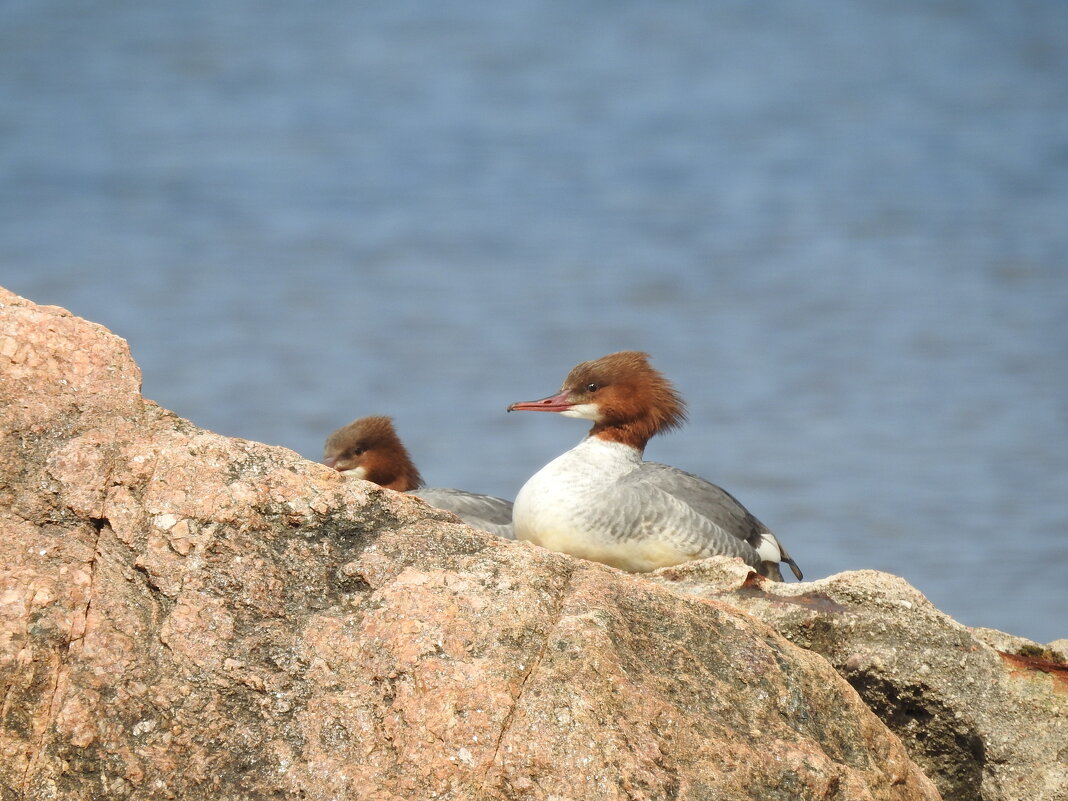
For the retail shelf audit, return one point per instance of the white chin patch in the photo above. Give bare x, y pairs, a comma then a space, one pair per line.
584, 411
356, 472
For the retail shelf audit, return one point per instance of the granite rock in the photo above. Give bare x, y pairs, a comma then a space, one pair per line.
185, 615
984, 713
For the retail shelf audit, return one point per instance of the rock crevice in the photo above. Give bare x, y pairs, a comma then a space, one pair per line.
560, 601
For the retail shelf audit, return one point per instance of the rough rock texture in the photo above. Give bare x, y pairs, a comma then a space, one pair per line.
184, 615
984, 723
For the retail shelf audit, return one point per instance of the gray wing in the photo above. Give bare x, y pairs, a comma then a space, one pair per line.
634, 509
703, 497
712, 503
481, 511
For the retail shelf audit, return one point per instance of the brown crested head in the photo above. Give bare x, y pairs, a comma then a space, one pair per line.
628, 400
371, 447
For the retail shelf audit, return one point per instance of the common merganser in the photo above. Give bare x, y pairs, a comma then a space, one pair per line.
601, 501
369, 448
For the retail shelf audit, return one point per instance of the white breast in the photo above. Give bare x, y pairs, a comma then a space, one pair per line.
572, 505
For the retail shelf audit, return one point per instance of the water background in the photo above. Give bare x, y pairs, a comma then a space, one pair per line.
840, 227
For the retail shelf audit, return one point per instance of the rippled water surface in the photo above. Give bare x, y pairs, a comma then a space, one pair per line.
840, 227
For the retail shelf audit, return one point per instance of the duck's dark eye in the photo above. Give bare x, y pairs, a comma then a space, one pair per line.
592, 387
357, 451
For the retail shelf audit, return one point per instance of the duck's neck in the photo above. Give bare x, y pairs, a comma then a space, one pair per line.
395, 472
634, 434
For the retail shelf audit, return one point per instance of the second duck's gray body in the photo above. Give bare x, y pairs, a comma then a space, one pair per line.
485, 512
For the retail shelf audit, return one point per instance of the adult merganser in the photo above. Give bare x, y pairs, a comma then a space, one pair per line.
369, 448
601, 501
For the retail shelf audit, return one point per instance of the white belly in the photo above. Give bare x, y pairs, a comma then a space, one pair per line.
634, 556
567, 507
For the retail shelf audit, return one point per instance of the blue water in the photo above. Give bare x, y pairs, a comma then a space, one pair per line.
841, 227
